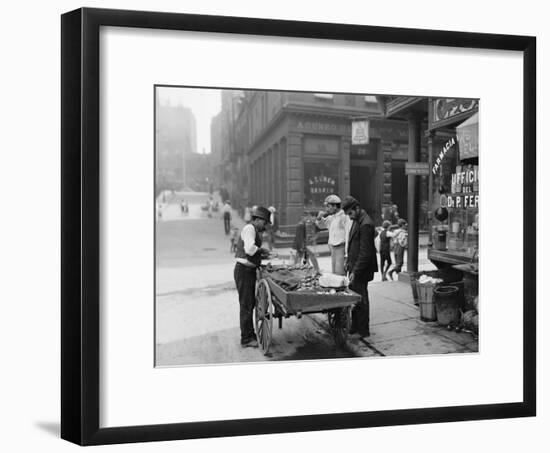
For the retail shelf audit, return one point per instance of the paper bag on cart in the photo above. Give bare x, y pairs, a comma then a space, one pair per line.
333, 281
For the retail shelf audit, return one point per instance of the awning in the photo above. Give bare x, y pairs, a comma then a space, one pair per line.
468, 137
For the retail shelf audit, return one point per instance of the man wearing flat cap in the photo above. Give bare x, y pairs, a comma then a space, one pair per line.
361, 262
336, 222
249, 256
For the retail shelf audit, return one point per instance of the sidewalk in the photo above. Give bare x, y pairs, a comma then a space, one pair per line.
396, 328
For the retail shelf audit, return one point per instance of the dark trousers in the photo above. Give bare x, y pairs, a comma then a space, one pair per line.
360, 317
227, 222
245, 279
399, 257
399, 253
385, 258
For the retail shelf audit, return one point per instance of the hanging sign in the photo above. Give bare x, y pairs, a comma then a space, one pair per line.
360, 132
417, 168
446, 111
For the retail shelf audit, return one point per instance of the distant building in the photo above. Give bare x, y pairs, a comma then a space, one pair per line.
200, 172
216, 149
175, 140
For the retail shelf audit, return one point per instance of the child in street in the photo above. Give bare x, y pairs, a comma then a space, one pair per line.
233, 238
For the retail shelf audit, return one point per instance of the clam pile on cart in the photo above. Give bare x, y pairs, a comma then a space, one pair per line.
284, 291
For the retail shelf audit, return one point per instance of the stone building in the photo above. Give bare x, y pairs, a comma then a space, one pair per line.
292, 149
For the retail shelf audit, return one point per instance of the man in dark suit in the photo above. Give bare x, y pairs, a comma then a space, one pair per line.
361, 262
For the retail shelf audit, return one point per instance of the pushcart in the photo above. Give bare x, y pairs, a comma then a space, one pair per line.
275, 302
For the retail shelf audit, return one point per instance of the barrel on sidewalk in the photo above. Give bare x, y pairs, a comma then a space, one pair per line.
424, 293
449, 276
447, 305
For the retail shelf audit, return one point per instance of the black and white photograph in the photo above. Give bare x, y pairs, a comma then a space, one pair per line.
296, 225
275, 226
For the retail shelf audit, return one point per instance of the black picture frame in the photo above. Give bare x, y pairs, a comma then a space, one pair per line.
80, 223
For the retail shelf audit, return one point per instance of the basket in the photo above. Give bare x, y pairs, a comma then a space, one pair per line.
448, 275
426, 302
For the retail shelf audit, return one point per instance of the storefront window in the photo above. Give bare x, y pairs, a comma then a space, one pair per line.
456, 187
463, 203
320, 180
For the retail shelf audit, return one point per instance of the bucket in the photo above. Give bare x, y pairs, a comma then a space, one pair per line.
441, 243
446, 304
426, 302
460, 299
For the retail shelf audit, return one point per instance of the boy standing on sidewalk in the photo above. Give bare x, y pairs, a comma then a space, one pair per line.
401, 238
385, 256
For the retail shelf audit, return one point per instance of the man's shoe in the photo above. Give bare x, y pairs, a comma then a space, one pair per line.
250, 344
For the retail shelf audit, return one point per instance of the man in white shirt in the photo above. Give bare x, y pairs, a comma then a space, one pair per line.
337, 223
249, 256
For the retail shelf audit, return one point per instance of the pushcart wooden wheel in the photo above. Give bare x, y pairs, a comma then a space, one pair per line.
263, 315
339, 321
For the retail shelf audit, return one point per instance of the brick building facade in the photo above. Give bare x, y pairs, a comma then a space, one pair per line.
292, 149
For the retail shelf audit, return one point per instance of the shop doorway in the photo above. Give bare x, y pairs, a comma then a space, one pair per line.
399, 186
363, 186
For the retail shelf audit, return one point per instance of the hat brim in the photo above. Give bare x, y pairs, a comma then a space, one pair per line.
260, 217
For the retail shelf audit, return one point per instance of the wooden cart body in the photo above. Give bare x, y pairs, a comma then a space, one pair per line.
273, 301
308, 301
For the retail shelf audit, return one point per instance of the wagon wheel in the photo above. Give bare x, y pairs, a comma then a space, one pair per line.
263, 315
339, 321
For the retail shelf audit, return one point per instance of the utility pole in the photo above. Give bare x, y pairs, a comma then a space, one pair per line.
413, 206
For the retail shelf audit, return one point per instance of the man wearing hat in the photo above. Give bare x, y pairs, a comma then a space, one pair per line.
336, 221
249, 256
227, 216
361, 262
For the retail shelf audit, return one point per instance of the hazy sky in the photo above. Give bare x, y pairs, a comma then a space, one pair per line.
205, 104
